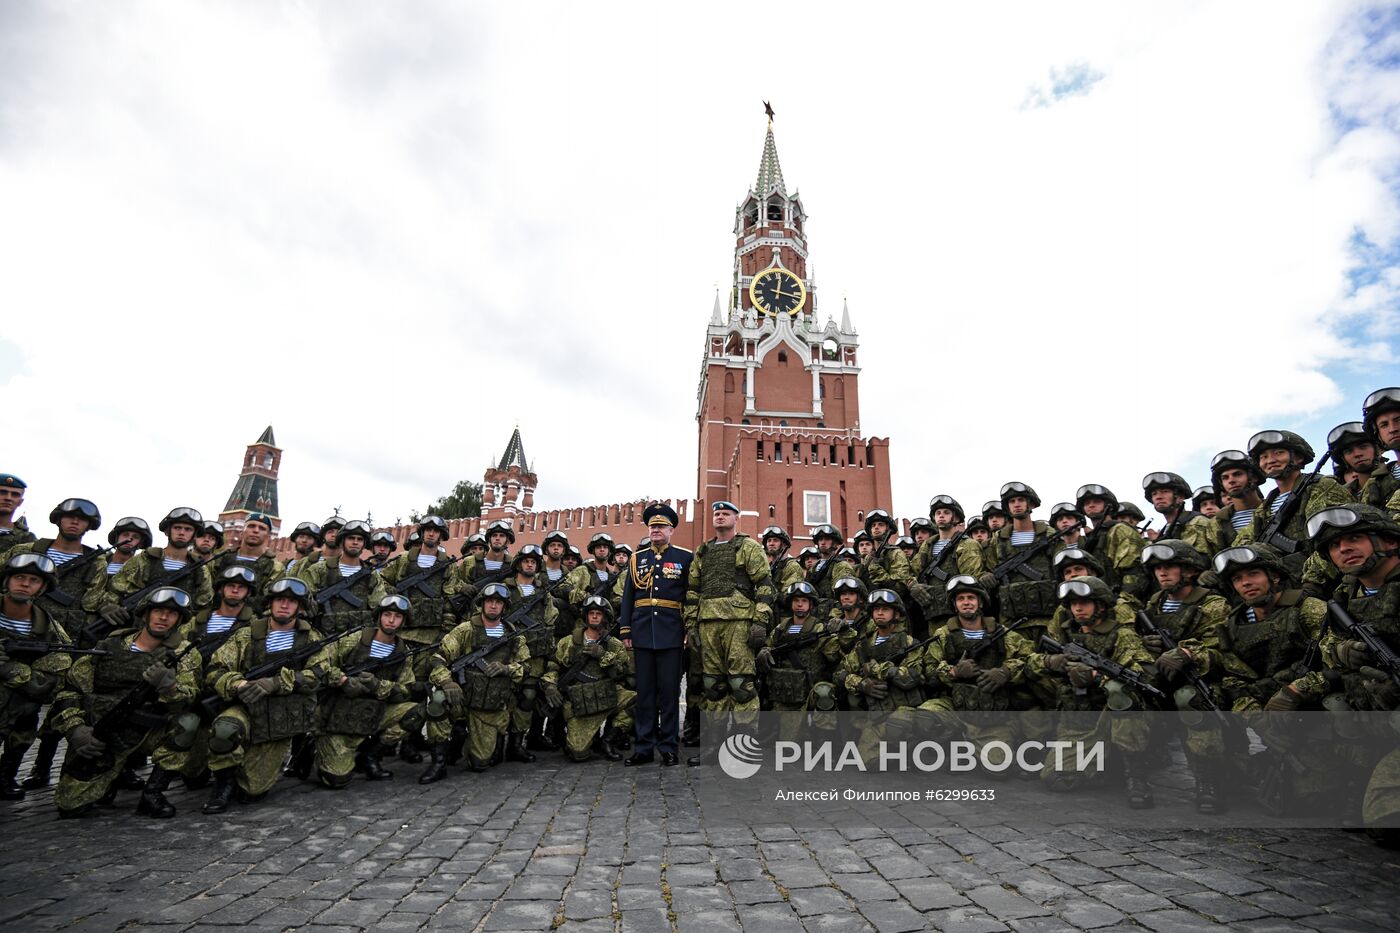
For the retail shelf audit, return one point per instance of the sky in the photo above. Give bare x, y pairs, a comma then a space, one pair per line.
1135, 232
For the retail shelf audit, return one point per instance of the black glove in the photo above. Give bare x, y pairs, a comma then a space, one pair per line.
357, 686
1080, 675
594, 650
418, 690
876, 689
114, 615
1058, 663
39, 685
255, 690
993, 679
902, 679
758, 636
1380, 689
85, 744
1172, 661
159, 676
922, 593
1354, 655
764, 660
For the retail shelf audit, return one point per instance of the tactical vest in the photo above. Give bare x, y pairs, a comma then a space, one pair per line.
592, 690
277, 717
1017, 595
13, 704
1182, 623
1095, 542
798, 671
897, 698
345, 715
118, 672
1177, 529
209, 643
1296, 529
427, 610
723, 570
539, 640
339, 616
155, 570
488, 694
1275, 644
965, 693
1101, 643
72, 619
940, 606
776, 571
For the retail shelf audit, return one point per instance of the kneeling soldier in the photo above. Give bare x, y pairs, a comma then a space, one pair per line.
490, 661
258, 671
586, 681
115, 706
366, 706
970, 658
800, 659
882, 671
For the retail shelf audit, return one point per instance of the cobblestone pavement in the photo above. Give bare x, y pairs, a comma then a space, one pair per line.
598, 847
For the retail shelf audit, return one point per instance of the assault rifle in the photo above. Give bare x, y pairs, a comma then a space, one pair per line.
460, 601
934, 570
1386, 659
575, 671
477, 657
1019, 562
417, 580
987, 642
36, 649
342, 587
808, 640
374, 664
65, 599
1273, 532
132, 600
214, 704
1146, 626
1105, 666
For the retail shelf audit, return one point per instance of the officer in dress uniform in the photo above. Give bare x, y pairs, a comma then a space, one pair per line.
650, 623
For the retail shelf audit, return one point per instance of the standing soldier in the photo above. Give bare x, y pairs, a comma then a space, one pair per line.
305, 539
330, 540
829, 567
586, 681
251, 737
1237, 479
468, 577
13, 531
381, 548
996, 516
1206, 501
486, 694
366, 704
799, 663
885, 567
530, 711
729, 600
594, 577
27, 680
1068, 519
474, 545
1114, 544
1169, 494
171, 565
1030, 589
209, 539
345, 589
555, 546
254, 554
921, 529
1380, 413
654, 625
420, 573
948, 554
622, 554
152, 663
784, 570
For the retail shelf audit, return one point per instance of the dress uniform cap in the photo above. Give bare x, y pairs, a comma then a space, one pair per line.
659, 513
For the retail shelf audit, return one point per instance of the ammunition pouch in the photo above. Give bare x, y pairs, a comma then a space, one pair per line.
487, 694
788, 685
339, 714
1032, 598
281, 717
967, 697
540, 641
587, 699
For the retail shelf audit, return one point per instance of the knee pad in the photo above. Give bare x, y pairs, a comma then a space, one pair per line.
225, 736
824, 697
1184, 697
435, 707
1119, 699
183, 731
742, 688
334, 781
715, 687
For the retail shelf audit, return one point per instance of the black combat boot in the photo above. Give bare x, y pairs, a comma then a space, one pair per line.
411, 749
1135, 783
515, 749
9, 767
499, 755
1210, 796
153, 802
556, 729
371, 765
41, 771
437, 768
128, 779
536, 740
198, 782
222, 794
456, 744
690, 728
607, 745
298, 765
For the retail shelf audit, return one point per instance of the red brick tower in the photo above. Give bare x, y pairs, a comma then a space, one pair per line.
508, 488
779, 412
256, 489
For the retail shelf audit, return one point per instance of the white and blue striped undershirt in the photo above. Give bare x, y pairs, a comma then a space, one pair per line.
19, 626
589, 641
59, 557
349, 570
1367, 591
171, 564
527, 589
1241, 518
795, 628
1022, 538
1249, 614
426, 560
816, 568
137, 648
1171, 605
976, 634
939, 546
553, 574
280, 641
881, 639
1279, 500
247, 559
495, 631
380, 649
218, 624
1395, 469
112, 569
493, 564
602, 575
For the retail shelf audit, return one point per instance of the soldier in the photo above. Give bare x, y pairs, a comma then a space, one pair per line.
864, 547
474, 545
528, 589
1028, 592
27, 680
784, 570
486, 694
586, 681
594, 577
807, 558
800, 660
344, 589
367, 705
127, 536
1082, 688
209, 539
1071, 564
381, 547
829, 566
466, 579
729, 600
1168, 493
951, 553
1115, 544
978, 531
251, 737
921, 529
1132, 516
905, 544
1380, 413
152, 664
13, 531
1206, 501
330, 538
172, 565
622, 554
555, 546
873, 672
1068, 519
305, 539
655, 625
253, 552
571, 559
886, 567
420, 573
1237, 479
996, 516
1268, 636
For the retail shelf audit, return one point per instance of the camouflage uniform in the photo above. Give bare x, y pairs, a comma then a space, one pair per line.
801, 678
729, 596
266, 569
339, 614
376, 711
1019, 595
14, 536
960, 555
146, 567
432, 610
488, 700
26, 684
595, 692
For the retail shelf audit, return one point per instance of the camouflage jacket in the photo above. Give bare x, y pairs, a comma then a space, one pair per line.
736, 587
146, 567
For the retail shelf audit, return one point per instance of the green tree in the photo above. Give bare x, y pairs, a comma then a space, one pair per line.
464, 501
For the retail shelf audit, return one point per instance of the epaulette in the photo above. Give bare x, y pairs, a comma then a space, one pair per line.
679, 548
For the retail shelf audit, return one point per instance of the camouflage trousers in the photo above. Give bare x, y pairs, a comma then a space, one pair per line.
258, 765
335, 752
190, 762
1381, 801
483, 729
580, 731
528, 701
727, 667
1128, 734
73, 793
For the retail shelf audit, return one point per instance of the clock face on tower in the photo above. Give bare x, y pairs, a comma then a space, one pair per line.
777, 291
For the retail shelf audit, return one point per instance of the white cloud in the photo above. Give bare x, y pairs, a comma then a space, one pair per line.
393, 232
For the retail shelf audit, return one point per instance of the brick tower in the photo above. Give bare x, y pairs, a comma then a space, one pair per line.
256, 489
779, 404
508, 488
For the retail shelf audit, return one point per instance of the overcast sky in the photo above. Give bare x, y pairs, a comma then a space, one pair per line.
1136, 232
